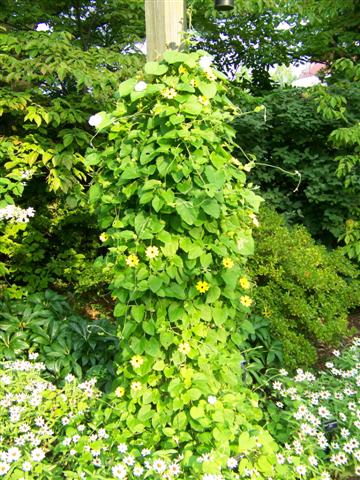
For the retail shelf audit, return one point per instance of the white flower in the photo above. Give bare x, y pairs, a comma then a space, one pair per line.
122, 448
174, 469
26, 466
42, 27
301, 470
69, 378
138, 471
129, 460
145, 452
4, 468
205, 62
37, 454
159, 466
96, 119
232, 463
140, 86
13, 454
33, 355
211, 399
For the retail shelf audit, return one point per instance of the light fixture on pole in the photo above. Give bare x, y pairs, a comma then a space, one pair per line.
224, 5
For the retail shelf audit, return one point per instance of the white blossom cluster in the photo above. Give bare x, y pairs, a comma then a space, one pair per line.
16, 214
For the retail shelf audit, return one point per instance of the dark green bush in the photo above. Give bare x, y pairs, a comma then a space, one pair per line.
304, 290
294, 136
66, 342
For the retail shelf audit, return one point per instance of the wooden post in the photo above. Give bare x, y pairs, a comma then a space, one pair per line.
165, 22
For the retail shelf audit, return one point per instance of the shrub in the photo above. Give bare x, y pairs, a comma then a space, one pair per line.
304, 290
63, 340
319, 417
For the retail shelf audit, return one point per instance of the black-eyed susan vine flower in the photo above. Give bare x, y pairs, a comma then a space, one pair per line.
228, 263
202, 286
119, 392
184, 348
151, 252
246, 301
132, 260
103, 237
169, 93
137, 361
244, 283
204, 100
136, 386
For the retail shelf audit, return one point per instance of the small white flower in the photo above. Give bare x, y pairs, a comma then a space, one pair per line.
159, 466
140, 86
42, 27
122, 447
211, 399
138, 471
4, 468
13, 454
205, 62
69, 378
232, 463
37, 454
145, 452
96, 119
26, 466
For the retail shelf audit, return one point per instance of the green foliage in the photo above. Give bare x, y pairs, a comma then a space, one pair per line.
293, 136
49, 86
177, 221
64, 341
303, 290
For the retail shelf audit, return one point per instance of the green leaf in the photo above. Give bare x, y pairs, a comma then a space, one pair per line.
155, 283
152, 347
193, 107
155, 68
173, 56
245, 243
137, 312
211, 207
209, 90
186, 211
197, 412
95, 192
125, 88
213, 294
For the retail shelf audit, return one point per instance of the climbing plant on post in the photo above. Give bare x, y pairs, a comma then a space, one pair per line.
177, 218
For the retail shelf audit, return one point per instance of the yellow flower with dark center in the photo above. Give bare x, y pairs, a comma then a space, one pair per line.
182, 70
136, 386
169, 93
132, 261
152, 252
210, 74
228, 263
246, 301
202, 286
204, 100
103, 237
194, 82
244, 283
184, 348
120, 392
136, 361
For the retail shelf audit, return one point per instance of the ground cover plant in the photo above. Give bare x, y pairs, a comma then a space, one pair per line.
74, 432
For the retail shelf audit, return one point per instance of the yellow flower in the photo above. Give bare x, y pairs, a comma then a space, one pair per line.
103, 237
136, 386
169, 93
202, 287
136, 361
184, 348
204, 100
132, 261
152, 252
228, 263
244, 283
182, 69
246, 300
210, 74
194, 82
120, 392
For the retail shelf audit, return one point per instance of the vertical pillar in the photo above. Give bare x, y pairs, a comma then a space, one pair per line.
165, 23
